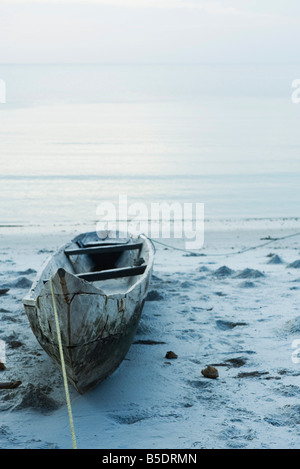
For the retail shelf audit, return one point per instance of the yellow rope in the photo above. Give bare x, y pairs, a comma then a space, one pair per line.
63, 366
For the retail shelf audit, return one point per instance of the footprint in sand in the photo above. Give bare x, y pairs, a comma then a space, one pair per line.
37, 398
203, 268
232, 363
227, 325
293, 325
247, 284
289, 415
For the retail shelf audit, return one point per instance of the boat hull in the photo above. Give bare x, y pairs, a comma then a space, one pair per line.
97, 327
89, 364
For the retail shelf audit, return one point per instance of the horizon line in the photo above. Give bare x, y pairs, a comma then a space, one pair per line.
158, 63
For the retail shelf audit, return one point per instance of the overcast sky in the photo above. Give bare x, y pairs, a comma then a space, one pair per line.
159, 31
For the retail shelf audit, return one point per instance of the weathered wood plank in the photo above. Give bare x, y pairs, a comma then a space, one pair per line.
10, 384
112, 273
103, 249
112, 242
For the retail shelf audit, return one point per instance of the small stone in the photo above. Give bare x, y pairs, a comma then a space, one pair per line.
171, 355
3, 291
2, 366
210, 372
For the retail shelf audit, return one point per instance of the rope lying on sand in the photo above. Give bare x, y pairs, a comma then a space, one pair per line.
232, 253
63, 366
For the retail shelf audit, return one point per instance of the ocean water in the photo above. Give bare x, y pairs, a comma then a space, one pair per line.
74, 136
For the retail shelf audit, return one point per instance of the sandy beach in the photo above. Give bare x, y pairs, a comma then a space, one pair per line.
238, 312
139, 115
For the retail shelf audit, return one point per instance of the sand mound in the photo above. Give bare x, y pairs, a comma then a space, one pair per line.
27, 272
37, 398
295, 264
223, 272
154, 295
249, 273
22, 282
275, 260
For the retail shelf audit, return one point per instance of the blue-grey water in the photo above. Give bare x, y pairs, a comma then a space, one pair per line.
73, 136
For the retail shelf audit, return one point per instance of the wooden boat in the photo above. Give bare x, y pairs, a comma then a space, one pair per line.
100, 284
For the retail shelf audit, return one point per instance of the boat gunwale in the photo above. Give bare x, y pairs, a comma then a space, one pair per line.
31, 300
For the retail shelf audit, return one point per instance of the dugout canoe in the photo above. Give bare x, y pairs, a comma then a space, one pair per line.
100, 282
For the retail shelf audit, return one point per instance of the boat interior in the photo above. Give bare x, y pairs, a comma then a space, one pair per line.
112, 264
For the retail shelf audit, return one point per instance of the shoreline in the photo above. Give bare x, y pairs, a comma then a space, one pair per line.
211, 224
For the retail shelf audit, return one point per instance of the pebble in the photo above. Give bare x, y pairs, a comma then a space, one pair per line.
210, 372
171, 355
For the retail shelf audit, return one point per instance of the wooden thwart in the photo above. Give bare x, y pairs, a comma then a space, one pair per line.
112, 273
103, 249
107, 274
115, 242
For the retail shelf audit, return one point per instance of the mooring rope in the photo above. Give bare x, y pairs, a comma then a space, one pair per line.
63, 366
251, 248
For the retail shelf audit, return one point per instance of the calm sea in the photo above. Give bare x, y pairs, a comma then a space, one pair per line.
73, 136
